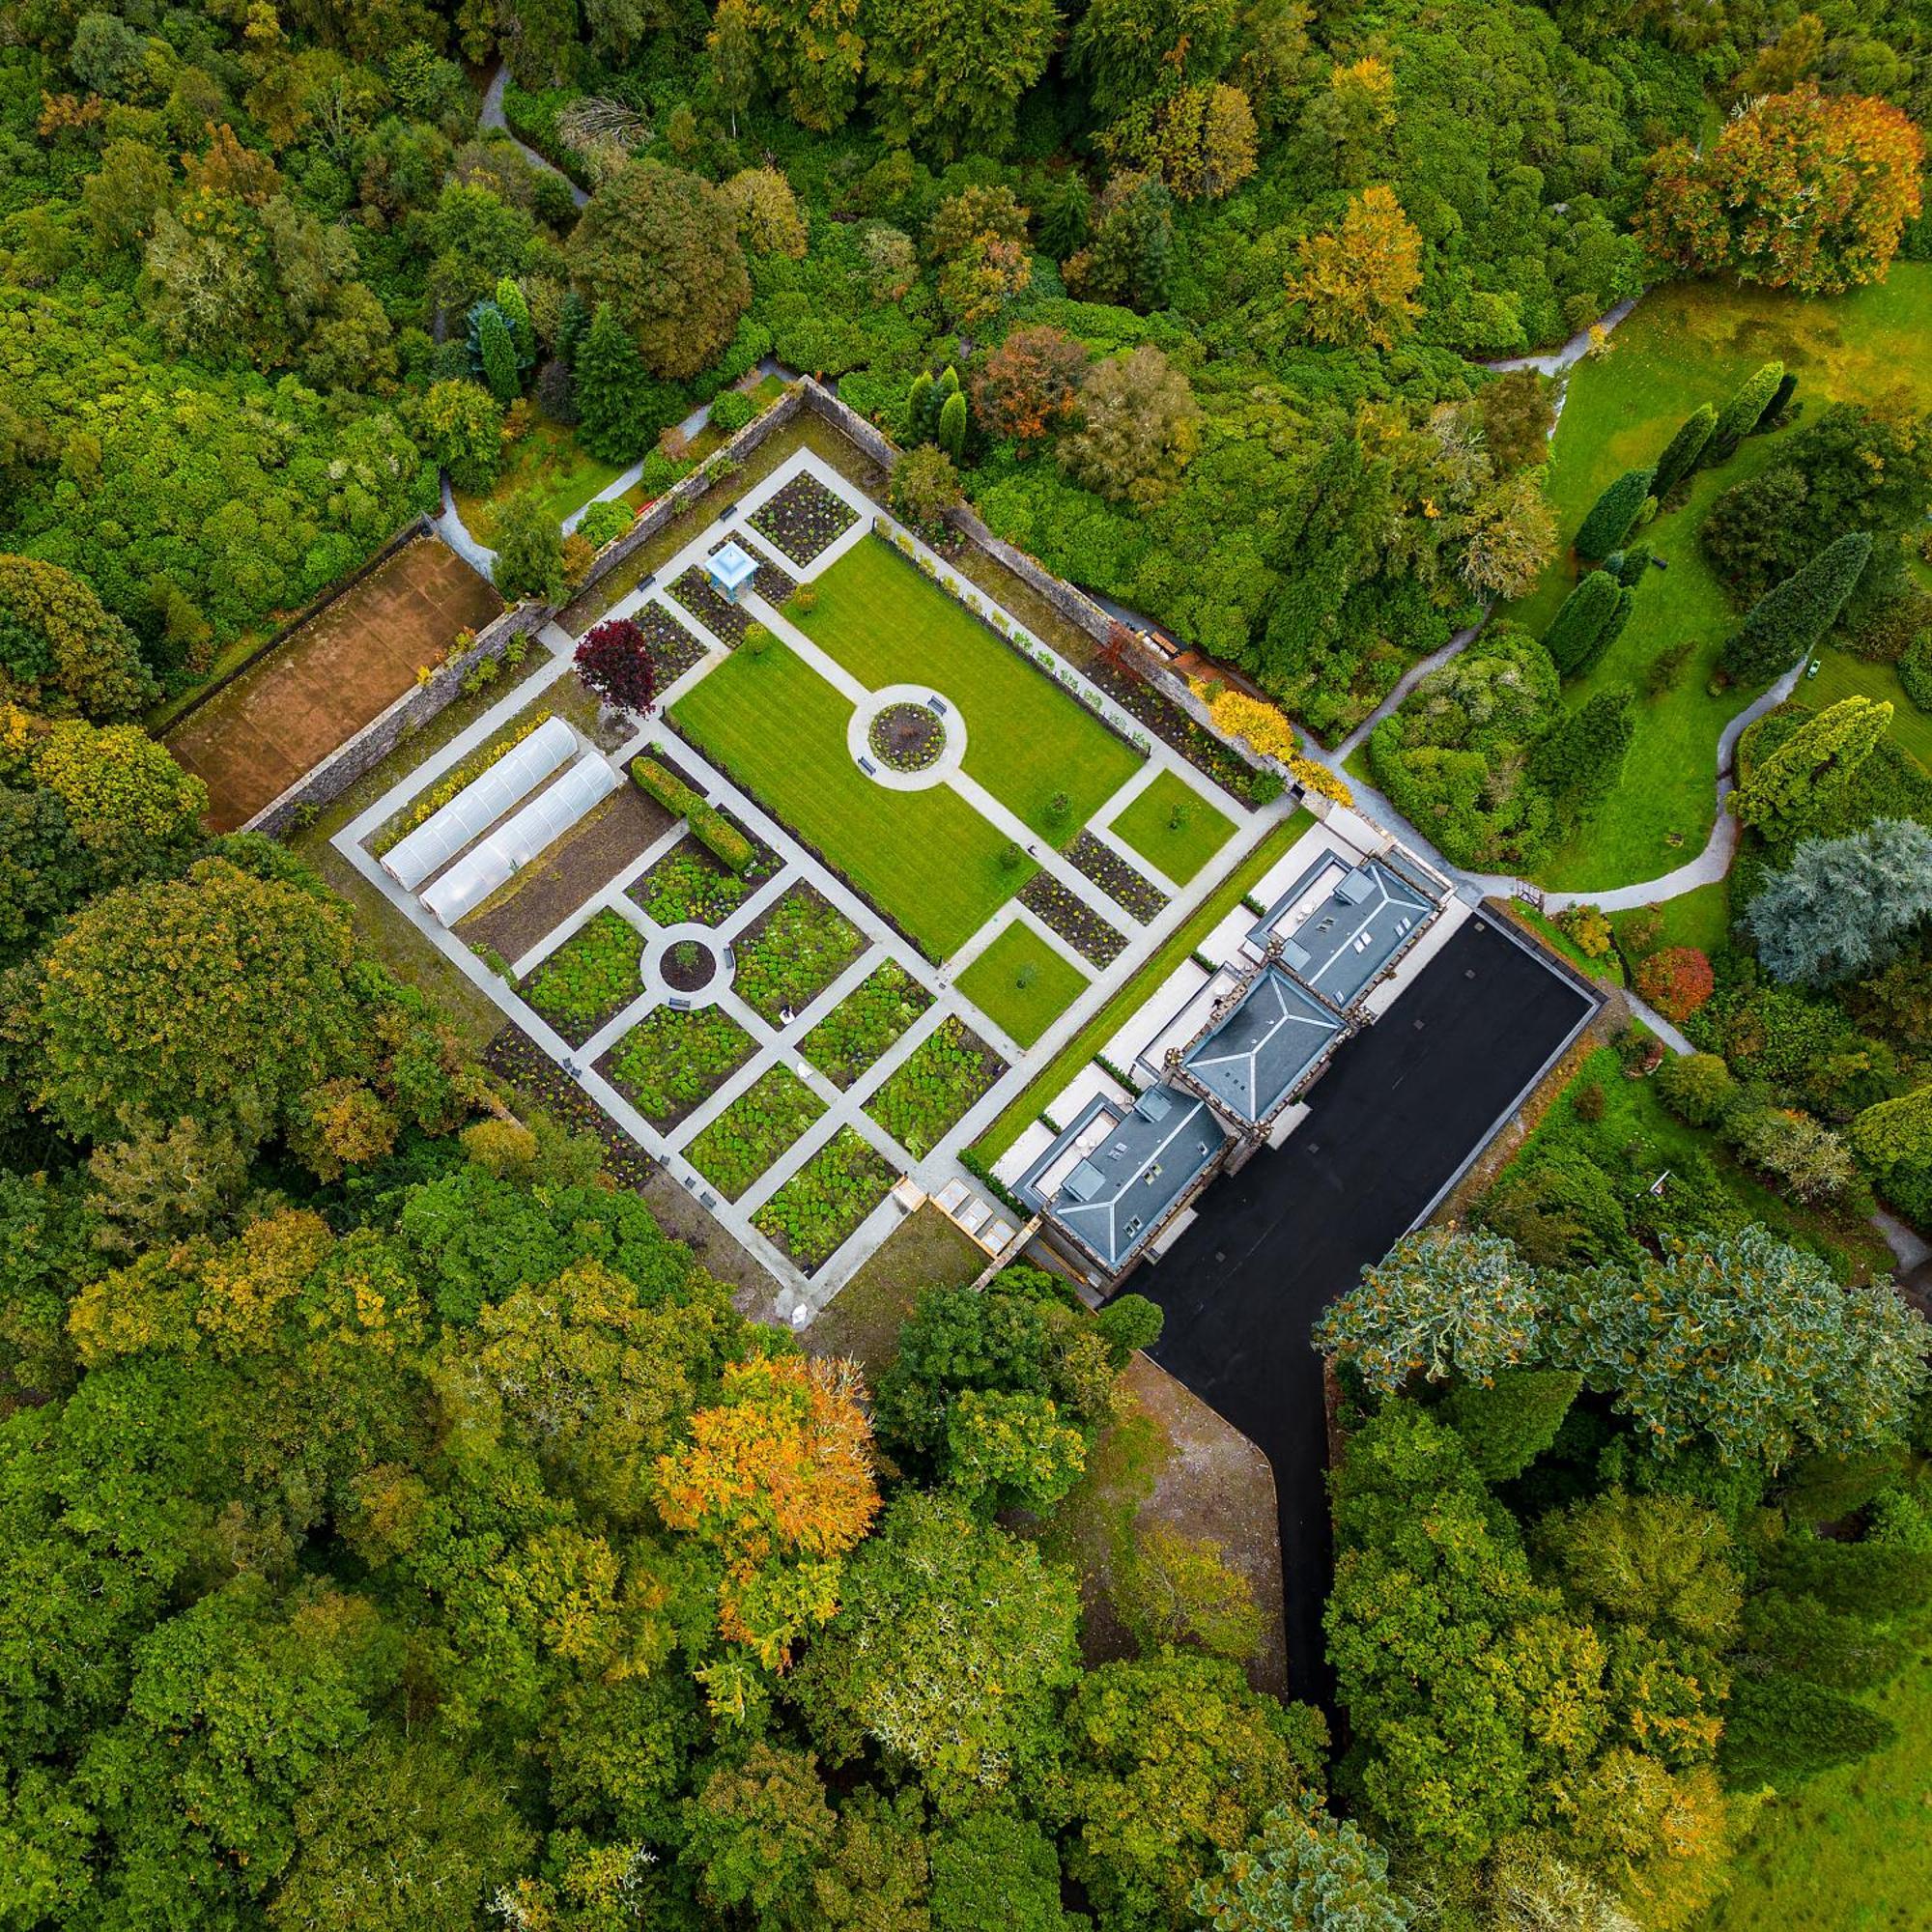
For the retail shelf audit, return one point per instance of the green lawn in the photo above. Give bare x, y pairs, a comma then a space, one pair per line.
1026, 739
1687, 344
992, 982
1848, 1851
1102, 1028
1177, 849
925, 858
1842, 675
549, 461
1701, 919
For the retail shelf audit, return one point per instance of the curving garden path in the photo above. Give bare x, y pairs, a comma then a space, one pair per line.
492, 116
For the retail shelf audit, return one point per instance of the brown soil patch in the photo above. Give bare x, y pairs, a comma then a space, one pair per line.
328, 678
544, 894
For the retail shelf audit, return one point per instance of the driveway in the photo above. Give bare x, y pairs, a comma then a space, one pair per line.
1402, 1110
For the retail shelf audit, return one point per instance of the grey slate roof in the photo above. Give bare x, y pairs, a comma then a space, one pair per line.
1259, 1051
1349, 936
1114, 1202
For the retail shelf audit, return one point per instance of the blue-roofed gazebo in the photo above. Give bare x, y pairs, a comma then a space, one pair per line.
730, 570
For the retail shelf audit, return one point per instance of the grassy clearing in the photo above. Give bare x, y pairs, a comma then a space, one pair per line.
1850, 1851
1027, 741
1021, 983
548, 461
924, 1251
1173, 828
926, 857
1095, 1034
1688, 344
1841, 675
1701, 919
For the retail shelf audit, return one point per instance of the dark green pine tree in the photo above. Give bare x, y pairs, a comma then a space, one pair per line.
1575, 637
621, 406
1789, 619
498, 351
1613, 515
1583, 757
1685, 450
1742, 414
1506, 1426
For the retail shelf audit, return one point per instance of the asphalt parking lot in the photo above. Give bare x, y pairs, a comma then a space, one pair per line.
1402, 1108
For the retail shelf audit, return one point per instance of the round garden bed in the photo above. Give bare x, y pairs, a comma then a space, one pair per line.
687, 965
907, 737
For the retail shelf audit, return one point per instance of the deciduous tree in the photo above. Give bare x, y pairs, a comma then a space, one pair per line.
1803, 190
1029, 386
1356, 283
1139, 428
65, 653
463, 425
529, 550
614, 660
661, 247
945, 78
1130, 50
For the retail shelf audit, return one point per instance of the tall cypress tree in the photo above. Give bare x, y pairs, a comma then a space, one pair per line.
499, 353
1684, 451
1740, 416
516, 313
1613, 514
1572, 639
1791, 616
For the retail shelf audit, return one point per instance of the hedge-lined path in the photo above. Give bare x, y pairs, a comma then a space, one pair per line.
492, 115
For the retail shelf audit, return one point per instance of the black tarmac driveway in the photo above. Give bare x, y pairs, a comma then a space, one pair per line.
1400, 1111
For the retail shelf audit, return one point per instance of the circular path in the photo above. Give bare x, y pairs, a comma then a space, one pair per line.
952, 754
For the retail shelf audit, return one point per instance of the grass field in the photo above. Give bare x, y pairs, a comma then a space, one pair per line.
1850, 1851
1688, 344
925, 858
548, 461
1098, 1030
1026, 739
992, 982
1177, 850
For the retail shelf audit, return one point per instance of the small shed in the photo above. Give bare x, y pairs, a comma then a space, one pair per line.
730, 571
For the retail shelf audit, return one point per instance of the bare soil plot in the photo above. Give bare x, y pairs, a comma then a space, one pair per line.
581, 862
328, 678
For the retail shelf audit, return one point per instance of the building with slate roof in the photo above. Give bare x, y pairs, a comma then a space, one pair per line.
1256, 1055
1339, 927
1119, 1176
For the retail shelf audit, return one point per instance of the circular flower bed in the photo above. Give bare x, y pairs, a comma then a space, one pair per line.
907, 737
687, 965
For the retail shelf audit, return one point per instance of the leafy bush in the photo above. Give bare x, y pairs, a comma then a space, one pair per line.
731, 411
604, 523
1696, 1087
1676, 980
671, 1059
754, 1131
813, 1214
689, 887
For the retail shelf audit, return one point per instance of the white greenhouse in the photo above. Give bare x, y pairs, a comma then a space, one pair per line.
480, 803
513, 845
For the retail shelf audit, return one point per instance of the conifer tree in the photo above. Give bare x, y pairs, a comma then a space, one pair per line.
952, 424
1840, 909
1789, 619
1742, 414
516, 312
1685, 450
620, 407
1796, 782
1613, 515
1580, 632
499, 353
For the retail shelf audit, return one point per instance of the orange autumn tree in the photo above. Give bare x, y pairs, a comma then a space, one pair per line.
778, 1480
1803, 190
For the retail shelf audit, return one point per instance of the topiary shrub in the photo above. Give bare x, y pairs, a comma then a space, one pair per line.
1589, 618
1615, 515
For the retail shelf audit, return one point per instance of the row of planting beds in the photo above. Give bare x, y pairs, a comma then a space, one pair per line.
934, 1084
804, 519
865, 1024
1135, 894
690, 887
539, 1082
792, 954
754, 1131
1073, 919
815, 1212
673, 1061
591, 977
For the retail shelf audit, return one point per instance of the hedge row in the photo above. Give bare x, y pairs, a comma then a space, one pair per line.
708, 825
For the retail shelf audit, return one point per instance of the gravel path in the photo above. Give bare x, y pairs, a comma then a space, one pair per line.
492, 116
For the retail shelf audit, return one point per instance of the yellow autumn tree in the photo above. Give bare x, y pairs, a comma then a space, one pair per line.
1237, 715
1357, 283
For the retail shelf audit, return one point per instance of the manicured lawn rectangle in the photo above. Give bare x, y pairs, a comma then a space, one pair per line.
1026, 739
1021, 983
925, 858
754, 1131
1138, 991
1173, 828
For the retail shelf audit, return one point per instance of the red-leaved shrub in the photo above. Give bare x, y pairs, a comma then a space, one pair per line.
1676, 980
614, 661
